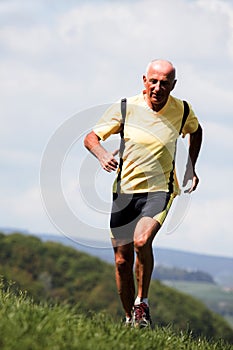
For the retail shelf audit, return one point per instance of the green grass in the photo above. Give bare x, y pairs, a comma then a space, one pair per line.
215, 297
25, 325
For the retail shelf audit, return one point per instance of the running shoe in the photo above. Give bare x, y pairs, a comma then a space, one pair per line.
127, 322
141, 316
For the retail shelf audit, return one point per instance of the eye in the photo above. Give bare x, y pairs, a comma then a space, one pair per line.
165, 84
153, 81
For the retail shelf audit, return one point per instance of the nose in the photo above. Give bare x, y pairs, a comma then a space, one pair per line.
156, 86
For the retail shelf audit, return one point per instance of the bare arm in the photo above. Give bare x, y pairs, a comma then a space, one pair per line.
106, 159
195, 141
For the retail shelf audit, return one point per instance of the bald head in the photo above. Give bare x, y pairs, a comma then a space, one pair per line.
159, 81
163, 66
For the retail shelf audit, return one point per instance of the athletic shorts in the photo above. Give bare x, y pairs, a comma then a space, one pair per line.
127, 209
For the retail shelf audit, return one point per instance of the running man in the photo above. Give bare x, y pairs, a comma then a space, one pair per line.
146, 182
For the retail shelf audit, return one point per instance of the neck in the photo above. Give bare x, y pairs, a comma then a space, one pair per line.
154, 107
158, 107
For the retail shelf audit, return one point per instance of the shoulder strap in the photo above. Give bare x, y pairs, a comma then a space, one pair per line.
185, 115
122, 144
123, 114
184, 118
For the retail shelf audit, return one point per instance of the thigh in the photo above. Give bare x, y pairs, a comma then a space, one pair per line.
145, 231
154, 211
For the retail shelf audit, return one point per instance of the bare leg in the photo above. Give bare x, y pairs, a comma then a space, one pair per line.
124, 261
145, 232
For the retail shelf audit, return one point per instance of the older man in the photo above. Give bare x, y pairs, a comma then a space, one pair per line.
146, 182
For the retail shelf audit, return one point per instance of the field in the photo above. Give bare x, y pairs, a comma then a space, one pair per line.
71, 303
25, 326
215, 297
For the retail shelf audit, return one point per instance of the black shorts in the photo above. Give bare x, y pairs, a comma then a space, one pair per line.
127, 209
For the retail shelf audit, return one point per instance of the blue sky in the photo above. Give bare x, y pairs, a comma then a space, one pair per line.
61, 58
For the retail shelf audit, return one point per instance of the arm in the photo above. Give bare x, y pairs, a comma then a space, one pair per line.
106, 159
195, 141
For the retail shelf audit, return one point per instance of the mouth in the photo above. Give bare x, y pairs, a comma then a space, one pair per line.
156, 97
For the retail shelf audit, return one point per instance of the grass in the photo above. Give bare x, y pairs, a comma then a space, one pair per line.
25, 325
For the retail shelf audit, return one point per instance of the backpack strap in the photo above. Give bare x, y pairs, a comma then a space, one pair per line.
184, 118
123, 114
185, 115
122, 144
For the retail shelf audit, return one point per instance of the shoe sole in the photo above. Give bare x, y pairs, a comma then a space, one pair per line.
142, 324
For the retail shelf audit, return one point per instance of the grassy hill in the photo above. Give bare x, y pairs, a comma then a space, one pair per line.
25, 326
58, 274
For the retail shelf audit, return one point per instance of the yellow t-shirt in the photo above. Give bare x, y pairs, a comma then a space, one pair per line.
150, 142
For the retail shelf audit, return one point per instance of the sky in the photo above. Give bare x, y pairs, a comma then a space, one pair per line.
61, 63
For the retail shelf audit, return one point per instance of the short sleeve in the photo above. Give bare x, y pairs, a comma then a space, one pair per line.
110, 122
191, 123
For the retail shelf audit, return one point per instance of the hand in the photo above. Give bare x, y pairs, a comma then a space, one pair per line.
190, 174
108, 162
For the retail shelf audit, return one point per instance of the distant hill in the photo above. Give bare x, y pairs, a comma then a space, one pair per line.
60, 274
220, 268
163, 273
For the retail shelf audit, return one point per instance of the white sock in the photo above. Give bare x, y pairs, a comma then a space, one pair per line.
139, 300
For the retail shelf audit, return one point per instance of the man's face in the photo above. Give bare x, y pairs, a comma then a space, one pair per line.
158, 82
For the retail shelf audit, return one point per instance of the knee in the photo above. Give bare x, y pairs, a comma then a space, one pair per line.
140, 243
121, 264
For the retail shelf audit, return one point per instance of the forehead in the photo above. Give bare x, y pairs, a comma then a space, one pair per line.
157, 75
160, 71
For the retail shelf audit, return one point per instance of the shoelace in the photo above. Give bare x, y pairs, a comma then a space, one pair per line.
141, 311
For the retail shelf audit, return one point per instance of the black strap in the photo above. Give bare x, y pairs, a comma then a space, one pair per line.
122, 144
185, 115
184, 118
123, 114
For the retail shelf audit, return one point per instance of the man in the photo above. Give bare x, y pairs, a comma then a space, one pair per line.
147, 182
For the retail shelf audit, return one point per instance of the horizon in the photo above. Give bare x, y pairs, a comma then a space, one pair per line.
12, 230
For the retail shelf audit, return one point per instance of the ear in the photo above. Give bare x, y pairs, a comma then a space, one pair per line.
173, 84
144, 79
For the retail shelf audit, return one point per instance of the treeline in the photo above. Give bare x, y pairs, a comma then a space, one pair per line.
58, 274
164, 273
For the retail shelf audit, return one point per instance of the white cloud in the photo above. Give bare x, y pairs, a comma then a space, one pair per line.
225, 10
24, 41
17, 157
223, 133
23, 209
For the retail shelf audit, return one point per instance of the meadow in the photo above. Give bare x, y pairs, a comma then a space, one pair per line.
61, 298
25, 325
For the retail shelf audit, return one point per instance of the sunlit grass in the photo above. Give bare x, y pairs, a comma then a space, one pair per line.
25, 325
